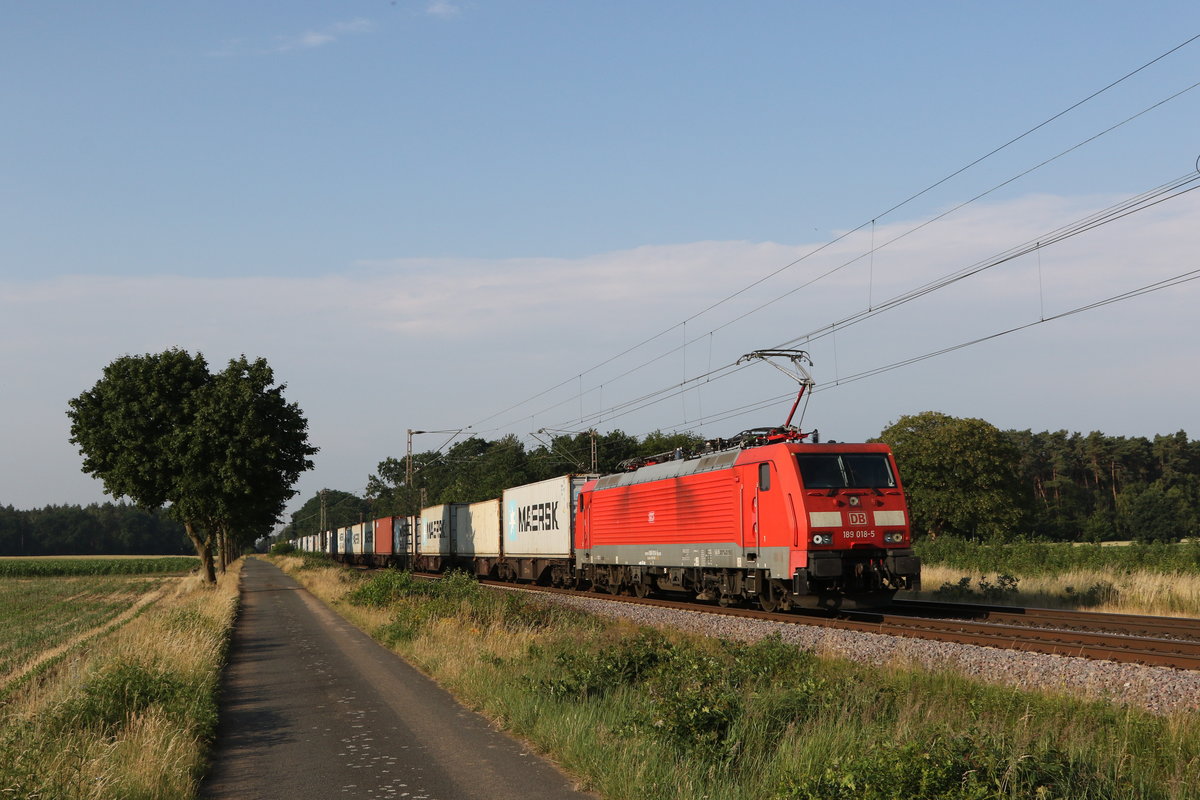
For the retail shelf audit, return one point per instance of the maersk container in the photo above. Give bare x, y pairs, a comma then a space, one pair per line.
481, 535
347, 543
441, 527
538, 517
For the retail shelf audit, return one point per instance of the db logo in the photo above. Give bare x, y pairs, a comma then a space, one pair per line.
857, 517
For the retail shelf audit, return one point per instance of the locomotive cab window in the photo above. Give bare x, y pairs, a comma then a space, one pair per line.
764, 476
846, 471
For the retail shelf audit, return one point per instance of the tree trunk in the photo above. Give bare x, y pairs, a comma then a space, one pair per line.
223, 548
204, 551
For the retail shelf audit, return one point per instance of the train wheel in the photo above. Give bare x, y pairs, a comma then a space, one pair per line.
641, 588
767, 600
775, 598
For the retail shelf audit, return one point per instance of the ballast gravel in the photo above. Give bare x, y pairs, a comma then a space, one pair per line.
1157, 689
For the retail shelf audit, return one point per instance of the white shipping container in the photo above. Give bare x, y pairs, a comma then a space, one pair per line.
441, 526
539, 517
481, 535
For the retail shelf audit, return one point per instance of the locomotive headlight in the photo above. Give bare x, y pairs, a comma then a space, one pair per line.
822, 538
893, 538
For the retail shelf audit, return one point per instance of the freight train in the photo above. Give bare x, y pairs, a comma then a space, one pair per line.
763, 518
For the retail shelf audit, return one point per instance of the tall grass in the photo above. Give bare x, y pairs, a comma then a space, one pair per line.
1152, 578
639, 712
1121, 592
129, 715
1030, 558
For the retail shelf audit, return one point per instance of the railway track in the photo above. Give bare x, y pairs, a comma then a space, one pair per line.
1065, 619
1127, 638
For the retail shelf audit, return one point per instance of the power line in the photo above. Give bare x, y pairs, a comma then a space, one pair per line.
858, 228
1140, 202
1166, 283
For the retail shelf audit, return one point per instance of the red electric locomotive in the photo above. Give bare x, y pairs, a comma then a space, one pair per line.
765, 517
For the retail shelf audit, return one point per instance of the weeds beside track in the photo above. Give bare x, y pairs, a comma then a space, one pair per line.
636, 711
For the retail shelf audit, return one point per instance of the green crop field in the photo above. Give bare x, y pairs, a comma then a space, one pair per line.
96, 565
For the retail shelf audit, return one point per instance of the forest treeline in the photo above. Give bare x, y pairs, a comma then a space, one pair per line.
108, 529
964, 478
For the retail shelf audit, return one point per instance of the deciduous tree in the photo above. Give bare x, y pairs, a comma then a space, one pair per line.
220, 451
961, 475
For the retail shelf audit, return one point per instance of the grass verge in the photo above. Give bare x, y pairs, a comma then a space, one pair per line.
131, 713
640, 712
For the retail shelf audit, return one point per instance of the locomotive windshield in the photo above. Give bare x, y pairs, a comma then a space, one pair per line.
846, 471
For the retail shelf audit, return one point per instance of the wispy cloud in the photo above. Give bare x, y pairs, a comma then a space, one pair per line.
322, 37
306, 40
445, 342
443, 9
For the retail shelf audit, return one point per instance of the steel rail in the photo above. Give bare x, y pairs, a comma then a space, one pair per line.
1149, 651
1069, 619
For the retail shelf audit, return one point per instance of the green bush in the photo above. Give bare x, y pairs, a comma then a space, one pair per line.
382, 588
284, 548
581, 672
123, 689
954, 766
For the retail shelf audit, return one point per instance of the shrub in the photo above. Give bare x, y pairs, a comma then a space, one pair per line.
1004, 589
382, 589
580, 673
953, 766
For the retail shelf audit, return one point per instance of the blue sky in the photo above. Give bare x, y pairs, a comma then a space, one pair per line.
424, 212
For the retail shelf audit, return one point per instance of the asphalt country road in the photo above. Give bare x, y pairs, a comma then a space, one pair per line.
311, 707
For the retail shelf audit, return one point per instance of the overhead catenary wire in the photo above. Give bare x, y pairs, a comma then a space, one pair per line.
827, 273
758, 405
1166, 283
1141, 202
895, 207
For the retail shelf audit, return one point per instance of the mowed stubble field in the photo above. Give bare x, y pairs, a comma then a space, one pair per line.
108, 681
40, 615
